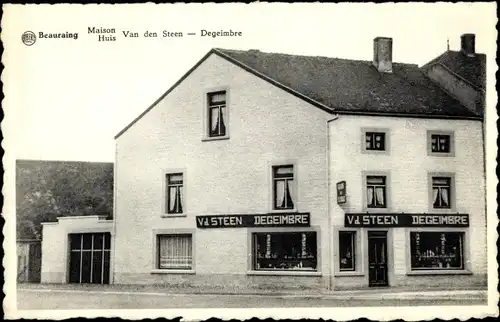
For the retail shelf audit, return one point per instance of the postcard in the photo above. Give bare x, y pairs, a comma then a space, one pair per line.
235, 160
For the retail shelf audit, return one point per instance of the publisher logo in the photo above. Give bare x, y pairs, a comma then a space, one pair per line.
28, 38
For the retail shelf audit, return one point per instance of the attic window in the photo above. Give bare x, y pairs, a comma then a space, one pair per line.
217, 114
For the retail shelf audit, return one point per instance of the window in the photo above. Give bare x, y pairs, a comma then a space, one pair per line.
375, 141
441, 192
283, 188
174, 193
376, 192
436, 250
285, 251
175, 252
440, 143
347, 242
217, 114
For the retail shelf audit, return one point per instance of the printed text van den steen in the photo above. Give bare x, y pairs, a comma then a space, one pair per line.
109, 34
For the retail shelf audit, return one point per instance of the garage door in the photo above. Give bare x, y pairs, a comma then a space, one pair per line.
89, 257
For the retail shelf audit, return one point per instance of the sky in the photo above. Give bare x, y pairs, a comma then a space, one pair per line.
66, 99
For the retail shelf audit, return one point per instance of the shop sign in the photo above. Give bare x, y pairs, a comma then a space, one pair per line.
406, 220
261, 220
341, 192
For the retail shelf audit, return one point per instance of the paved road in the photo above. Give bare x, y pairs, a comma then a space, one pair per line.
66, 299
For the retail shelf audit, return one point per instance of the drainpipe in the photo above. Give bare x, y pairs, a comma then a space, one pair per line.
113, 235
329, 192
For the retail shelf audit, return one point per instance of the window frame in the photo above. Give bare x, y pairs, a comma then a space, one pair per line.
250, 251
292, 184
466, 255
156, 251
165, 193
452, 193
365, 175
387, 146
207, 116
354, 246
451, 152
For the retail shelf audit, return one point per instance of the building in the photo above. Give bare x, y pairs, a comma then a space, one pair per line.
271, 171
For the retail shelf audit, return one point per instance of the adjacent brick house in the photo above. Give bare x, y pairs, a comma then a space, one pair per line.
272, 171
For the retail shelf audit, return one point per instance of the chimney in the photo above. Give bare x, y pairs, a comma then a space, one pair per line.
468, 44
382, 54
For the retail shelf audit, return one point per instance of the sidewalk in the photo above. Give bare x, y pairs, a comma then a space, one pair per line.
397, 293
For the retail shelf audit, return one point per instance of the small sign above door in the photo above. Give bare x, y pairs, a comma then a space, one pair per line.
341, 192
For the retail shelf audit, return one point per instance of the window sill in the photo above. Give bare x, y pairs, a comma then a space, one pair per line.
215, 138
173, 271
450, 211
173, 215
439, 272
283, 273
379, 152
376, 210
283, 211
443, 154
348, 273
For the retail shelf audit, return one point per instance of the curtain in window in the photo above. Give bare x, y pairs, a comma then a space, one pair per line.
175, 195
442, 145
369, 195
436, 197
222, 126
215, 120
289, 202
280, 193
444, 197
172, 199
175, 252
379, 193
178, 200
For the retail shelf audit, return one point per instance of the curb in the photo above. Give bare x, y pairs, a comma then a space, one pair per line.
429, 295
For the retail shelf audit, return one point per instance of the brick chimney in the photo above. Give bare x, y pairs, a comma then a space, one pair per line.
468, 44
382, 54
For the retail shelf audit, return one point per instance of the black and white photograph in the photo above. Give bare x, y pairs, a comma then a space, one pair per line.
236, 160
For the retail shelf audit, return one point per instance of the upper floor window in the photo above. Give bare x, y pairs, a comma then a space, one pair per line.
440, 143
175, 196
217, 114
375, 141
376, 192
283, 187
441, 192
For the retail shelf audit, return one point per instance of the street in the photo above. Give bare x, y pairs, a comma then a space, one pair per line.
42, 299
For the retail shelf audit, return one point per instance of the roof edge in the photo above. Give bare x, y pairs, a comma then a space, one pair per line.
273, 81
165, 94
410, 115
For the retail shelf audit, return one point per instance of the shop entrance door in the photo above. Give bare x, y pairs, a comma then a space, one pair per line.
377, 258
89, 256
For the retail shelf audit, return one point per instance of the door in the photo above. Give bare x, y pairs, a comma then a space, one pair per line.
89, 256
377, 258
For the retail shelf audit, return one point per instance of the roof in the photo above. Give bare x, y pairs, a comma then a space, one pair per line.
344, 86
471, 69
